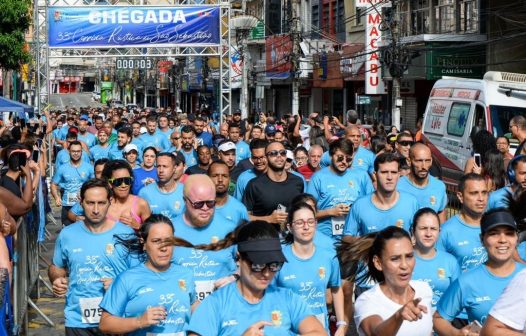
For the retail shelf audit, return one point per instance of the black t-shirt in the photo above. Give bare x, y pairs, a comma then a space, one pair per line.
262, 195
11, 185
195, 169
245, 164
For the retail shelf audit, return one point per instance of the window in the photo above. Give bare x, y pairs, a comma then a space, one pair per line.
468, 16
445, 16
420, 16
405, 18
501, 116
458, 118
358, 14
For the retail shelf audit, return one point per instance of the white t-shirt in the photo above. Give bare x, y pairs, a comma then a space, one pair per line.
509, 308
304, 134
375, 302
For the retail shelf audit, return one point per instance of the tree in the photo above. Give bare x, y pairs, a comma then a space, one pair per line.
15, 19
14, 23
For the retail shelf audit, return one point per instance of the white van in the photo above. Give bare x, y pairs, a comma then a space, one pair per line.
459, 107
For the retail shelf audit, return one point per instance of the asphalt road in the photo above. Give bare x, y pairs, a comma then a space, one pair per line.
60, 101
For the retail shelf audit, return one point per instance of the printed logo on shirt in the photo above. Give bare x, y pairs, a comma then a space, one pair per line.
229, 323
360, 162
145, 290
351, 184
82, 174
441, 273
177, 205
109, 249
321, 272
77, 250
182, 284
400, 223
432, 200
214, 239
289, 277
276, 317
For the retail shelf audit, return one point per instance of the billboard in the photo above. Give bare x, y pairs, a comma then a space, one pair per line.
117, 26
277, 56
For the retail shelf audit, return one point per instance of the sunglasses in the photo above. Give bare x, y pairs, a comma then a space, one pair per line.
275, 152
116, 182
176, 138
272, 266
345, 158
200, 204
406, 143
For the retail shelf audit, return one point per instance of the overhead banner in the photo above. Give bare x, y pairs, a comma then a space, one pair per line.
236, 68
116, 26
277, 56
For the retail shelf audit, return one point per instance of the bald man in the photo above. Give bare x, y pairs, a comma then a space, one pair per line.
428, 190
200, 224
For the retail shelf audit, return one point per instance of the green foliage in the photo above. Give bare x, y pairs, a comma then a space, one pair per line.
15, 20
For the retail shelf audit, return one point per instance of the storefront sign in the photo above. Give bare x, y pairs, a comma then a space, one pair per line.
467, 62
373, 75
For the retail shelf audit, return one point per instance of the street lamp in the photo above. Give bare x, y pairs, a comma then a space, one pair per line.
243, 24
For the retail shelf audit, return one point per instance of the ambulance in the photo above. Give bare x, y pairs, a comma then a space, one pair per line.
460, 107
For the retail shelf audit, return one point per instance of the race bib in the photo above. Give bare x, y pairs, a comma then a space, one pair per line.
203, 288
181, 333
72, 198
90, 310
337, 225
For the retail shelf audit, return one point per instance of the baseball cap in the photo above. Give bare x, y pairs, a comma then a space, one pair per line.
290, 155
84, 117
143, 130
238, 111
226, 146
270, 129
129, 147
497, 217
262, 251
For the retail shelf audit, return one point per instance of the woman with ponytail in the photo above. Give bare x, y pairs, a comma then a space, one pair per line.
155, 297
250, 305
396, 305
311, 269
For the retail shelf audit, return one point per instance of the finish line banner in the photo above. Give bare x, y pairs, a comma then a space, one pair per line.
115, 26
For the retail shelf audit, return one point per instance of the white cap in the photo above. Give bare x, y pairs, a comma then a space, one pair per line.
129, 147
143, 130
226, 146
290, 154
103, 116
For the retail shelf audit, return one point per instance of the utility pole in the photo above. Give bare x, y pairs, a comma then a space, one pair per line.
396, 59
295, 32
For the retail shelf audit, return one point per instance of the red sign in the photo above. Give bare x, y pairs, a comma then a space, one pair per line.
278, 49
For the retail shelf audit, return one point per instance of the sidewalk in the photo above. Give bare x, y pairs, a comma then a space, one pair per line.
50, 305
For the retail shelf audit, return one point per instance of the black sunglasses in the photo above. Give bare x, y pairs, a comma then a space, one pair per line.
116, 182
200, 204
406, 143
272, 266
276, 152
345, 158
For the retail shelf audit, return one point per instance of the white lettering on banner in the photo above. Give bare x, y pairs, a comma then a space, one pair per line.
373, 82
125, 16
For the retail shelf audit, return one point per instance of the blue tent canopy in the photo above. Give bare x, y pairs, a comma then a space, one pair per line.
8, 105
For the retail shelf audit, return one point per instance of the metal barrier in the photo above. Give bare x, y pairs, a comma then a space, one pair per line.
26, 266
453, 205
